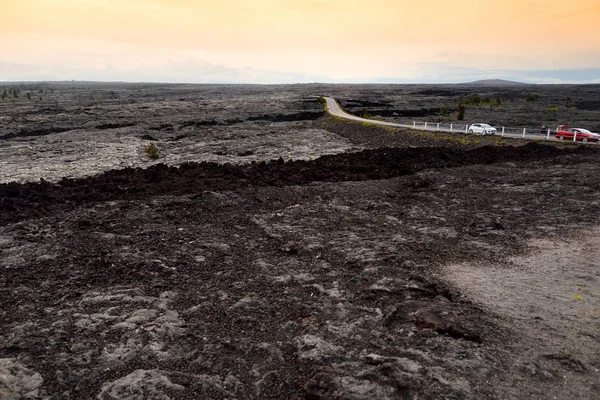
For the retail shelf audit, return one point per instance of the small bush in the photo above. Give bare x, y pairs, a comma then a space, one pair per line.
532, 97
152, 151
460, 112
444, 112
474, 100
365, 114
500, 142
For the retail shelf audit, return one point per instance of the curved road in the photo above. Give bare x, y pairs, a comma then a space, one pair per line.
334, 109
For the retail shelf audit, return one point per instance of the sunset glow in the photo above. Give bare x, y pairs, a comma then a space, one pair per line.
296, 40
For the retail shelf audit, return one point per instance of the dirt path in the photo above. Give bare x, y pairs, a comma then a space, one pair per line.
551, 298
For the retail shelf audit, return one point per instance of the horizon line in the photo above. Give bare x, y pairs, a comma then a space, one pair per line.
482, 82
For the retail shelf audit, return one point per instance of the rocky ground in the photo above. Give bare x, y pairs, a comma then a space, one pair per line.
77, 131
418, 271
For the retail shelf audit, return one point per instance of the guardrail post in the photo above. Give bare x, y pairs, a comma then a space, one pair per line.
425, 125
548, 135
575, 137
524, 130
467, 128
502, 131
451, 126
414, 124
438, 126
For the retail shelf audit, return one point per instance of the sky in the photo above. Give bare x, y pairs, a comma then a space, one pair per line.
298, 41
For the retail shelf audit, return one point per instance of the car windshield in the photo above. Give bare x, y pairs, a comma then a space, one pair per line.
485, 126
583, 131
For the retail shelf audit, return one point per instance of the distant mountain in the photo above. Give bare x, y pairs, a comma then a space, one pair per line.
496, 82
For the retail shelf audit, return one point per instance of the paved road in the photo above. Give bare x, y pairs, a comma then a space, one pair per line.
334, 109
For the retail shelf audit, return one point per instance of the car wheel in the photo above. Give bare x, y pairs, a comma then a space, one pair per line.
470, 130
584, 140
561, 138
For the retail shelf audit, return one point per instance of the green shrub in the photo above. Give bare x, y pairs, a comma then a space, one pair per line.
532, 97
444, 112
474, 100
152, 151
460, 112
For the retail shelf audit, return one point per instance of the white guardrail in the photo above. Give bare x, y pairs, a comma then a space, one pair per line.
511, 132
519, 133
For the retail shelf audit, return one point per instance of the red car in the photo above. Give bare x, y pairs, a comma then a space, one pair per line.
564, 132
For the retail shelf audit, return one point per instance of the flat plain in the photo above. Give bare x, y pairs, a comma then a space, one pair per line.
272, 251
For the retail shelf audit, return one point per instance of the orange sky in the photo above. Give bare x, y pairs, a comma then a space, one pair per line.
252, 40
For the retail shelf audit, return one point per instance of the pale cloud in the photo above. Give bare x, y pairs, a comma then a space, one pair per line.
176, 72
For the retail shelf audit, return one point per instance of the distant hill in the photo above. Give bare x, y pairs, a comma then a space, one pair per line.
496, 82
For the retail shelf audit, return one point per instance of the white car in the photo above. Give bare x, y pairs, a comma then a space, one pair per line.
483, 129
